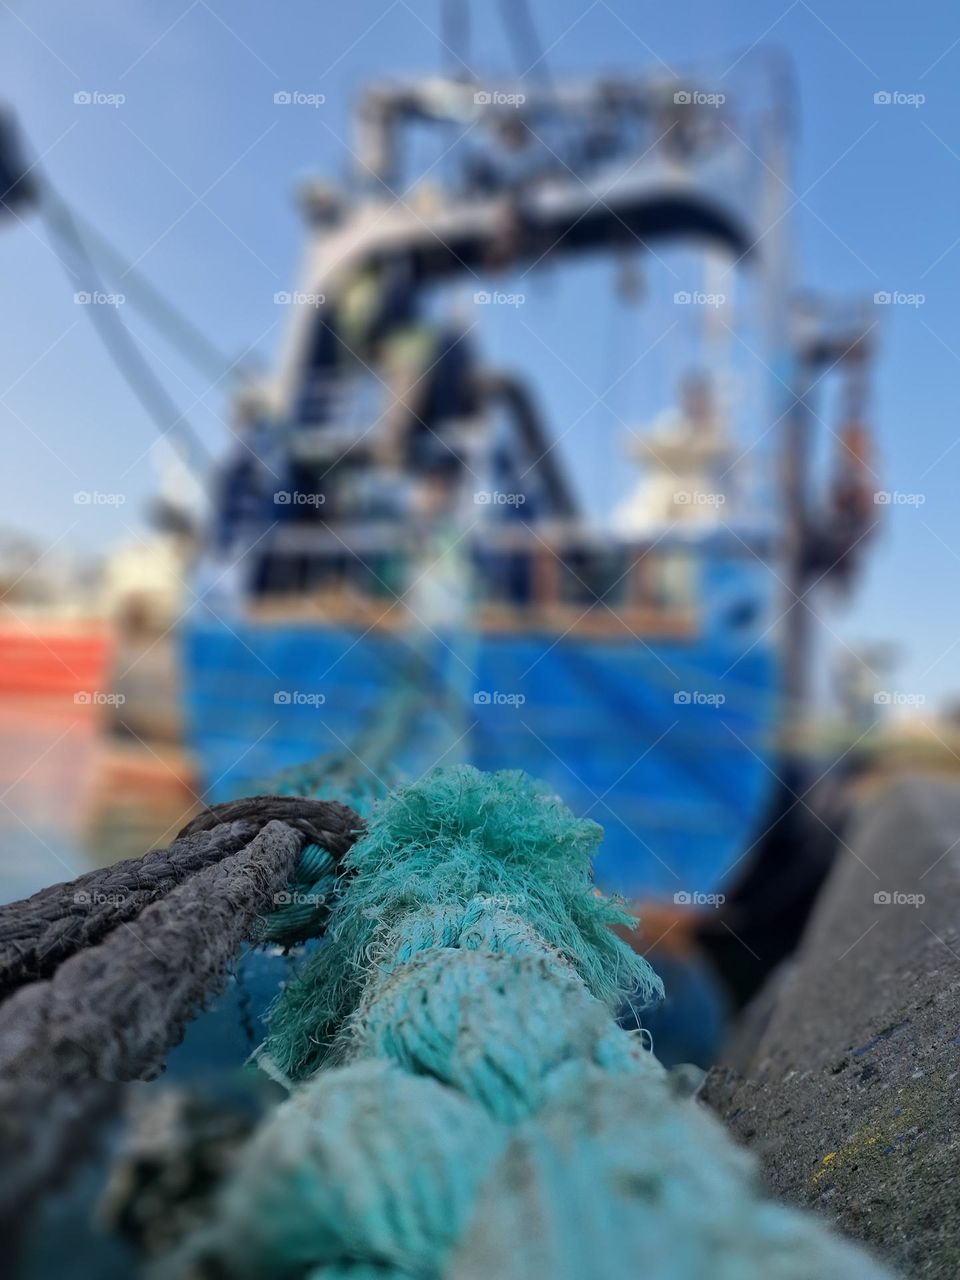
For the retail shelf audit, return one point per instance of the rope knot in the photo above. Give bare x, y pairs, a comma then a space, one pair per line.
327, 823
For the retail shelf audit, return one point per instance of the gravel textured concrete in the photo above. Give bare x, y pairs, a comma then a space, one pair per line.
848, 1088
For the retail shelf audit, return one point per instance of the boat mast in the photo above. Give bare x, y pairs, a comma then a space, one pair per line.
791, 376
810, 337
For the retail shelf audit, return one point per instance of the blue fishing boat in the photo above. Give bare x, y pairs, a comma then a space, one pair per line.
399, 572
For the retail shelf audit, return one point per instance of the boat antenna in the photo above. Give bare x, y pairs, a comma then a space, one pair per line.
455, 36
522, 34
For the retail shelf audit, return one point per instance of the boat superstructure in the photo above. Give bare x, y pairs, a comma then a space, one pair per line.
400, 567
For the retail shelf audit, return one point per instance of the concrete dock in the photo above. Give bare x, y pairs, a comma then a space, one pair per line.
845, 1080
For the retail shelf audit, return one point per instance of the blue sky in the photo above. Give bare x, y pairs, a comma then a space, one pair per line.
194, 178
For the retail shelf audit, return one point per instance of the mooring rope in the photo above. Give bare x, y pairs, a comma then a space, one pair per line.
111, 1012
121, 996
324, 822
464, 1103
38, 934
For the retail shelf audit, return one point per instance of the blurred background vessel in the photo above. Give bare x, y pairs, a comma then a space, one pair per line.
392, 566
399, 569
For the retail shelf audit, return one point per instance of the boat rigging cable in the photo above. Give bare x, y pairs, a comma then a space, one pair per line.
180, 332
77, 245
120, 344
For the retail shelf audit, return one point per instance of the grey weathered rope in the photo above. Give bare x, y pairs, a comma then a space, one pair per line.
112, 1011
38, 934
323, 822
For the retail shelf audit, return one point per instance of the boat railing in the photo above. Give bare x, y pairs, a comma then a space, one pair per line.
559, 576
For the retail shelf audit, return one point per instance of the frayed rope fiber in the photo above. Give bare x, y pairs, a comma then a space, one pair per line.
467, 1106
433, 848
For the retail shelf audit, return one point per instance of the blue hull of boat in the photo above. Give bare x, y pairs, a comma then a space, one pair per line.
666, 744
